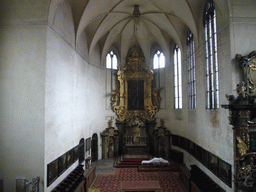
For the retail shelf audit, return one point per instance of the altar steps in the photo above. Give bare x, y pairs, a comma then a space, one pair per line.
129, 164
131, 160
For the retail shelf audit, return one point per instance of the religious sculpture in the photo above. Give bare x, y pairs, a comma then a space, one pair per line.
162, 138
110, 141
136, 134
248, 66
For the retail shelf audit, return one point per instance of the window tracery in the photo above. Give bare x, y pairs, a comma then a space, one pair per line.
191, 71
158, 60
212, 82
111, 60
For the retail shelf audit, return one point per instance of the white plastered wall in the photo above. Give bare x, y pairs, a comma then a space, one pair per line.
22, 85
22, 76
75, 96
207, 128
74, 104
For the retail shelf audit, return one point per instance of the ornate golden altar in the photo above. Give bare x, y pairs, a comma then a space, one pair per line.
134, 97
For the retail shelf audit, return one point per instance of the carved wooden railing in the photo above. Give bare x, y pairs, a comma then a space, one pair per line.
72, 182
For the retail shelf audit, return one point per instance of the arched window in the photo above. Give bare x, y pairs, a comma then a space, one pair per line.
191, 71
111, 60
158, 60
177, 78
159, 75
111, 63
212, 79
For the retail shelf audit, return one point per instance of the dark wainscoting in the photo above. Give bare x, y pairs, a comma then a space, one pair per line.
1, 185
216, 165
89, 177
60, 165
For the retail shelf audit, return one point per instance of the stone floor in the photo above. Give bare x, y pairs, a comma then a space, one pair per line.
104, 166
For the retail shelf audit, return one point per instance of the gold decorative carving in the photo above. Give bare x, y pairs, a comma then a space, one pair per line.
252, 73
115, 96
243, 148
110, 123
137, 72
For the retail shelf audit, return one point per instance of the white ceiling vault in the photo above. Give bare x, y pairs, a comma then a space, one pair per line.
123, 25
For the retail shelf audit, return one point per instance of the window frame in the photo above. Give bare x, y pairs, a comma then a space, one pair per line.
191, 71
113, 56
157, 55
177, 78
211, 56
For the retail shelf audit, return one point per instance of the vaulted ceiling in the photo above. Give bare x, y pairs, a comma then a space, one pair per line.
121, 25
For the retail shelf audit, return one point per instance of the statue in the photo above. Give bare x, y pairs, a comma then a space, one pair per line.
241, 89
156, 98
136, 134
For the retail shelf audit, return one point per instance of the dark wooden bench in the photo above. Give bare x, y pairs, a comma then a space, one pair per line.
73, 182
176, 156
203, 181
184, 176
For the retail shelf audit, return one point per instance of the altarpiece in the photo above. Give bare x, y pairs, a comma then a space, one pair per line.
135, 105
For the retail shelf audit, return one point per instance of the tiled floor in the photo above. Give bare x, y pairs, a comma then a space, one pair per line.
105, 167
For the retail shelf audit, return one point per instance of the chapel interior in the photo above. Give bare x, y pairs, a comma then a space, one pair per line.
88, 82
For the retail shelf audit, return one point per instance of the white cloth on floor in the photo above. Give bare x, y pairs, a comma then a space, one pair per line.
155, 160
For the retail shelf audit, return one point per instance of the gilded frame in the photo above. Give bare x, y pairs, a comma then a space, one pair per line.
135, 71
62, 165
225, 172
252, 74
213, 163
88, 144
52, 172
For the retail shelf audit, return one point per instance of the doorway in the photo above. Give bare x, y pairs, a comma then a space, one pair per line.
94, 147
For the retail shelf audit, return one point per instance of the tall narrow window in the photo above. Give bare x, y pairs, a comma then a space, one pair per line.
191, 71
111, 60
212, 82
111, 63
158, 60
159, 75
177, 79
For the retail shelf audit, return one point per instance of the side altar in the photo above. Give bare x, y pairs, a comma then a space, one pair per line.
242, 110
135, 105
